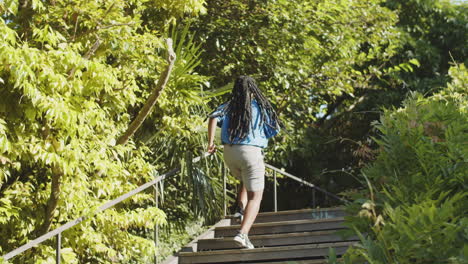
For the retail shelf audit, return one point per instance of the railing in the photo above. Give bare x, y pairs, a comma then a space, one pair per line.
58, 232
297, 179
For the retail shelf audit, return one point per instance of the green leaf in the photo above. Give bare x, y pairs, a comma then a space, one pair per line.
415, 62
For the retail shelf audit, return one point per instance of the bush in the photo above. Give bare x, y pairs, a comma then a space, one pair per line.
416, 208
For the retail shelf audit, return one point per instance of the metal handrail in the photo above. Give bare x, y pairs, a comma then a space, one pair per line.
297, 179
58, 231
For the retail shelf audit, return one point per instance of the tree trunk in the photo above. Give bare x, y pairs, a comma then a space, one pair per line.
151, 101
53, 200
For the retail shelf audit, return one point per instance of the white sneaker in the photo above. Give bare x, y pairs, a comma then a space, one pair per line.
242, 240
239, 215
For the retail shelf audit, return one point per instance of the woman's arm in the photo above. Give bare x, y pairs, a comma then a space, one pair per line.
211, 134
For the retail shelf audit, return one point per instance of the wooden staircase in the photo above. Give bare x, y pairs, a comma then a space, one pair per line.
298, 236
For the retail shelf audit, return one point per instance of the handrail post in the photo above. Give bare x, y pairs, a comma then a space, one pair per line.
313, 198
156, 227
275, 197
57, 250
326, 202
224, 189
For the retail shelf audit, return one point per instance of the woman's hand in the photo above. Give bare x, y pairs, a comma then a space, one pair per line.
211, 148
211, 135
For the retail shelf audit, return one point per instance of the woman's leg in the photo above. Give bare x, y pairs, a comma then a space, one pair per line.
249, 161
242, 197
251, 210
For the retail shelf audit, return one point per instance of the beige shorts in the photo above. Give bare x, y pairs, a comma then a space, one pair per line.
246, 163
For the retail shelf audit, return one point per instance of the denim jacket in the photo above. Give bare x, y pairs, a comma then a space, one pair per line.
258, 134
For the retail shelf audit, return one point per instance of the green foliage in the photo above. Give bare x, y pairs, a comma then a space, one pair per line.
173, 237
434, 33
431, 35
429, 232
430, 135
303, 53
72, 76
418, 201
182, 111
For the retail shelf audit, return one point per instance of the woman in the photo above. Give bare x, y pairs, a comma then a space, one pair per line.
247, 121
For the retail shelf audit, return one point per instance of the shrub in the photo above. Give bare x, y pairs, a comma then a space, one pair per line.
416, 208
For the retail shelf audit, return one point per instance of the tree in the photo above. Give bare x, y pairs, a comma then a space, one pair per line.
305, 54
431, 37
73, 73
433, 33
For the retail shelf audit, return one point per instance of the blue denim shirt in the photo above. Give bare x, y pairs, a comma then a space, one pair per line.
258, 135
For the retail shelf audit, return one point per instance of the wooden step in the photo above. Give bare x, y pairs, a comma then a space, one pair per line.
286, 253
287, 239
284, 227
310, 261
318, 213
